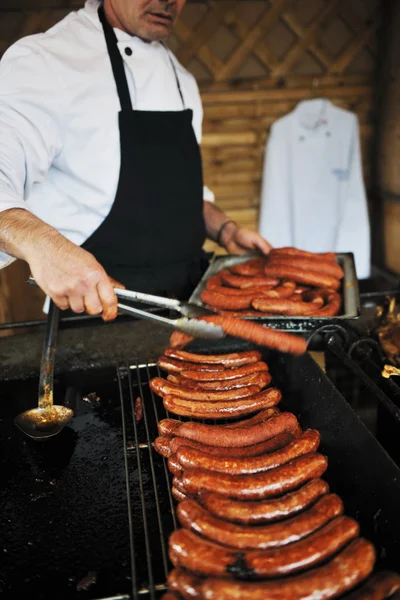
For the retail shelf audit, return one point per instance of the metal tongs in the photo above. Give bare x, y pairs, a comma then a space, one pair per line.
188, 323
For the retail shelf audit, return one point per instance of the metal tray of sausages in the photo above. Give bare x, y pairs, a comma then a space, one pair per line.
349, 292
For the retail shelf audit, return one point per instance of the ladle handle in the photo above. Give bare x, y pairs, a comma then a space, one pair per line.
48, 358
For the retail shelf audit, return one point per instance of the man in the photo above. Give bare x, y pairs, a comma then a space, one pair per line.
100, 169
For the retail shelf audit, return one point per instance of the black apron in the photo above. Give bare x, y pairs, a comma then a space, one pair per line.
151, 241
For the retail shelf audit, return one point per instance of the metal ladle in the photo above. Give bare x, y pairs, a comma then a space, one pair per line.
47, 419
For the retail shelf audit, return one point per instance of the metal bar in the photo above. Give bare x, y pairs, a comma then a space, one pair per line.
141, 488
159, 301
40, 322
166, 471
153, 475
128, 491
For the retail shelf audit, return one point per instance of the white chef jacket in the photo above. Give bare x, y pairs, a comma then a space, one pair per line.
313, 194
59, 136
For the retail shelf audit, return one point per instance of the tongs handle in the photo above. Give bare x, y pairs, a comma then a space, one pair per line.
148, 299
139, 297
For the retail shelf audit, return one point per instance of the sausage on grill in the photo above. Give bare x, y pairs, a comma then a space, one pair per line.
262, 485
349, 568
190, 551
193, 516
264, 511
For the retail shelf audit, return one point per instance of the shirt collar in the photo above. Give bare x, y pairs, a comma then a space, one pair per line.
90, 10
313, 114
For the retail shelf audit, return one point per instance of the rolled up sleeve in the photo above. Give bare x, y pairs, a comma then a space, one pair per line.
29, 125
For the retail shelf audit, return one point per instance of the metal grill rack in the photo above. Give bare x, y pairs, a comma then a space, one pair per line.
150, 503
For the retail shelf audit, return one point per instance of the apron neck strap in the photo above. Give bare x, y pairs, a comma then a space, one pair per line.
117, 63
176, 75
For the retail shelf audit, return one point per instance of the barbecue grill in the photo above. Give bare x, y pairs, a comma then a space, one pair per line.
88, 513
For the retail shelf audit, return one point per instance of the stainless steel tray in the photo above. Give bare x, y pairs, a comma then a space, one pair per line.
349, 291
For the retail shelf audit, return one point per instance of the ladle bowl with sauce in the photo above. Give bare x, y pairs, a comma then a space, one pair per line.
47, 419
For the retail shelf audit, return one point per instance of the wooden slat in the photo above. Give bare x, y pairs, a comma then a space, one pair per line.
242, 30
204, 31
289, 18
269, 18
308, 36
239, 138
204, 54
291, 81
357, 42
279, 94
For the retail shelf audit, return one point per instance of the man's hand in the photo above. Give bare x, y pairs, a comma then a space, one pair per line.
71, 276
236, 240
239, 240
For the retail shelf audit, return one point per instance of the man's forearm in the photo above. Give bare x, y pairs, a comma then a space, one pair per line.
20, 229
214, 219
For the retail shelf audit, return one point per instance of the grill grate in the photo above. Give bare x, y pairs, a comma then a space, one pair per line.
150, 502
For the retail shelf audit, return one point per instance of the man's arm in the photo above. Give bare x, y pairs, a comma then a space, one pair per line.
30, 137
71, 276
235, 239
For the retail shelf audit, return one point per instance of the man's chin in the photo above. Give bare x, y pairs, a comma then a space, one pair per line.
155, 34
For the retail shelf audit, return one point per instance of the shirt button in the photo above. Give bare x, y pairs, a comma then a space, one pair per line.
128, 51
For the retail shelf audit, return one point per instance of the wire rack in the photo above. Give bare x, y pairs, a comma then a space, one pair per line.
150, 503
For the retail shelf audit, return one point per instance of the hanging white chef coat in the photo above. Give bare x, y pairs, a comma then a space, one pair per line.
313, 195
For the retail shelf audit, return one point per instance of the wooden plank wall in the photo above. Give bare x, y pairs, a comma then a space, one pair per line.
254, 61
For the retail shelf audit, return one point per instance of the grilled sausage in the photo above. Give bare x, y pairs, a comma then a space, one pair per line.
250, 268
179, 340
380, 586
287, 307
162, 445
281, 291
227, 373
290, 251
214, 282
258, 290
169, 427
178, 495
262, 485
258, 334
260, 417
224, 301
260, 378
169, 596
254, 513
221, 410
233, 360
333, 303
247, 283
351, 566
192, 458
177, 366
240, 314
193, 516
162, 387
190, 551
279, 441
301, 276
174, 465
328, 267
185, 584
214, 435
